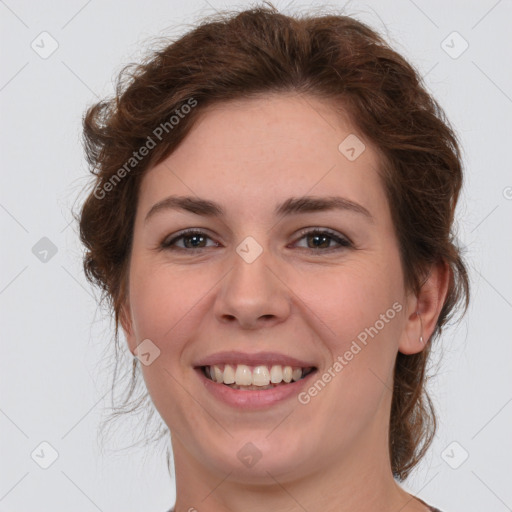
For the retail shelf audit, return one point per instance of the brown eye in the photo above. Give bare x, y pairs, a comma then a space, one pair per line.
192, 239
318, 240
321, 240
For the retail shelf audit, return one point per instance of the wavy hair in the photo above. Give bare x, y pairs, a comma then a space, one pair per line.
331, 56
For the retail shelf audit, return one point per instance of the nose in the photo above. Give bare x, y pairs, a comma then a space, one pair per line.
253, 294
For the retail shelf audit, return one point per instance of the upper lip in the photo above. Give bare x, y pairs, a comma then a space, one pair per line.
256, 359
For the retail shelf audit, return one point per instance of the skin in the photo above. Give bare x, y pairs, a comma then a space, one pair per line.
332, 453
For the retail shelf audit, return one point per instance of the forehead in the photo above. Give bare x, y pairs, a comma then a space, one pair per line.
266, 149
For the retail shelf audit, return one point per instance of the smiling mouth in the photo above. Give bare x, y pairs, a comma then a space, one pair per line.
252, 378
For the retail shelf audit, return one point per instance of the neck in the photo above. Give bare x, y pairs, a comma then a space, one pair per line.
359, 480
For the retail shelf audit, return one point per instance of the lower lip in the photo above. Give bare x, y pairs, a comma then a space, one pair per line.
254, 399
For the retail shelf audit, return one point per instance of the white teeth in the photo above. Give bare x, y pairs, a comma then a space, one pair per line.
217, 376
229, 375
261, 376
287, 373
243, 376
276, 374
296, 374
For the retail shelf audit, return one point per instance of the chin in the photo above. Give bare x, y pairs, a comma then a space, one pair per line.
261, 458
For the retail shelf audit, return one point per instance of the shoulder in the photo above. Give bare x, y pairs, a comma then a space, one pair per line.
433, 509
430, 507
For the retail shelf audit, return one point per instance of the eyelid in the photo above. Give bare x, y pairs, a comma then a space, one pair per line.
168, 240
342, 240
317, 229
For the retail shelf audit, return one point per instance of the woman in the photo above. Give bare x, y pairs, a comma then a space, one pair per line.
271, 221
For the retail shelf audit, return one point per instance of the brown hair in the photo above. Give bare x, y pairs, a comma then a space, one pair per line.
236, 55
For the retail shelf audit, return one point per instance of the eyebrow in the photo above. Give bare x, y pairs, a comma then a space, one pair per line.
292, 206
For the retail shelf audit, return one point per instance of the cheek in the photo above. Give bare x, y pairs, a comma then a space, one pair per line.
360, 310
161, 300
348, 300
164, 306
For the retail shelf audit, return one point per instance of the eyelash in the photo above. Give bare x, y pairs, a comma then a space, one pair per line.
343, 242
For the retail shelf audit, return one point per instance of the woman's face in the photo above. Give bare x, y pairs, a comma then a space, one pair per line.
264, 290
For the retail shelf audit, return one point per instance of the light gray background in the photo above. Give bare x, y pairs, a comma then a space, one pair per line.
54, 386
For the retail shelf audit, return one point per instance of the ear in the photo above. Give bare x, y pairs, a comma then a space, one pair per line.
125, 318
423, 310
